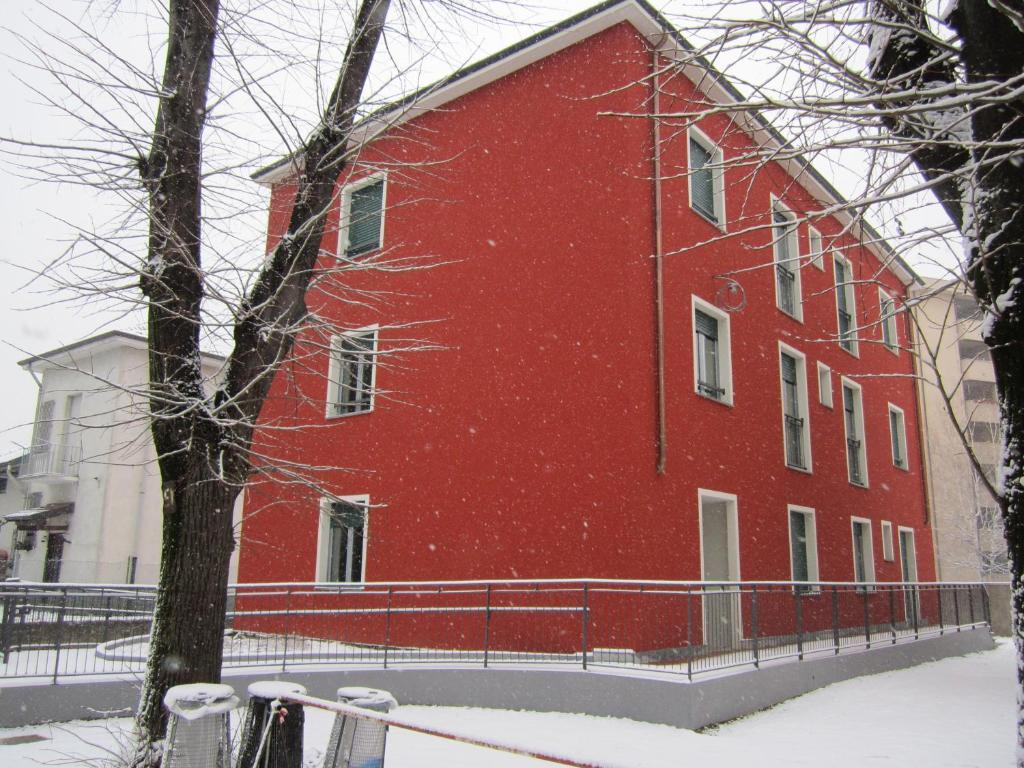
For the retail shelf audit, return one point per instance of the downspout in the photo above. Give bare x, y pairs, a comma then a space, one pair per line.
659, 283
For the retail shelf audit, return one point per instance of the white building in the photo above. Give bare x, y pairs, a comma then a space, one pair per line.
90, 506
969, 543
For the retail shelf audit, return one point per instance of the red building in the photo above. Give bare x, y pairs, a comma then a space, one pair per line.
623, 364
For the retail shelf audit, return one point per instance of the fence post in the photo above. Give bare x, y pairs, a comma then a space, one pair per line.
892, 610
106, 619
970, 603
487, 628
60, 633
915, 604
287, 626
7, 628
586, 616
387, 629
799, 625
986, 605
835, 619
956, 606
942, 629
867, 616
689, 633
753, 626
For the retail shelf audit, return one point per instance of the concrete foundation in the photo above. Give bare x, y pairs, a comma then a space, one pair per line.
643, 695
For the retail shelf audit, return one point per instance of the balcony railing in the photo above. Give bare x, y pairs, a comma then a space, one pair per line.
853, 457
54, 460
846, 335
682, 628
787, 289
795, 442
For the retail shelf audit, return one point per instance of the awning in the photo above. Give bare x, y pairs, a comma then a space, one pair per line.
37, 516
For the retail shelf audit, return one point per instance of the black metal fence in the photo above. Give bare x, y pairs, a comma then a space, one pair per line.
685, 628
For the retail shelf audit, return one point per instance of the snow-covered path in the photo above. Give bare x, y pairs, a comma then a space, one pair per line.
952, 713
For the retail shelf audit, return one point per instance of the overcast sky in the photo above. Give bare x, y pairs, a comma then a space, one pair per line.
34, 228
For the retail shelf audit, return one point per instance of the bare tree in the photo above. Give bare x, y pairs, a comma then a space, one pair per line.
901, 102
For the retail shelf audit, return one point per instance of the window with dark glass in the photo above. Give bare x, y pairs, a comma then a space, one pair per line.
709, 377
365, 217
845, 307
352, 372
898, 436
792, 413
345, 534
854, 438
787, 287
702, 180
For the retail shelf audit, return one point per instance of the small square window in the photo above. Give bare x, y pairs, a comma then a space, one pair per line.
352, 373
887, 551
816, 251
362, 217
825, 385
705, 172
898, 437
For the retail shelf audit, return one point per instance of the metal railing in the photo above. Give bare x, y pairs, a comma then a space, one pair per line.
53, 459
846, 332
795, 441
853, 456
684, 628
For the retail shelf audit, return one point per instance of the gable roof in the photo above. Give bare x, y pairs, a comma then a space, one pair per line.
663, 37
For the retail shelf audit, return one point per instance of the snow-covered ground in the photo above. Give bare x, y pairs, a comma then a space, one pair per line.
955, 713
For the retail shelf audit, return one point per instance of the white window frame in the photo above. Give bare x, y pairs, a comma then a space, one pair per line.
724, 349
825, 393
815, 248
902, 435
851, 304
334, 372
887, 550
858, 418
344, 218
802, 402
717, 172
323, 536
887, 323
811, 544
868, 556
900, 530
792, 264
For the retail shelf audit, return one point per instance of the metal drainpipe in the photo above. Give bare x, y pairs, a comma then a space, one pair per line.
659, 299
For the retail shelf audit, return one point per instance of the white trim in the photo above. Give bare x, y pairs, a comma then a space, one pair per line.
887, 551
801, 390
869, 560
811, 532
907, 577
717, 172
332, 397
888, 322
858, 417
824, 370
815, 257
724, 347
905, 466
322, 540
792, 263
344, 215
851, 304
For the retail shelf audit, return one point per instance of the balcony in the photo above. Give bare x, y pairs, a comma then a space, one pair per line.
54, 462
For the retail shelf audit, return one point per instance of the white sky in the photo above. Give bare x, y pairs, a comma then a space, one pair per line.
33, 226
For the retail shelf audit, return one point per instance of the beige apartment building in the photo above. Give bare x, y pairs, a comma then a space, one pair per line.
969, 542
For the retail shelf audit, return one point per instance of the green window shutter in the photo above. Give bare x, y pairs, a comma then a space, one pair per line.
702, 181
365, 210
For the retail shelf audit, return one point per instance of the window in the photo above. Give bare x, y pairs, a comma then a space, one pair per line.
816, 252
966, 308
983, 391
352, 373
853, 418
706, 194
983, 431
787, 268
825, 385
971, 349
342, 546
712, 367
796, 429
898, 437
363, 216
863, 554
846, 310
887, 552
887, 319
803, 544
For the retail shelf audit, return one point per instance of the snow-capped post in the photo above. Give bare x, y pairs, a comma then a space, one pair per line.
356, 743
272, 730
199, 726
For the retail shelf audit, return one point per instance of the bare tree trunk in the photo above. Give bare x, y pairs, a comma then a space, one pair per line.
203, 442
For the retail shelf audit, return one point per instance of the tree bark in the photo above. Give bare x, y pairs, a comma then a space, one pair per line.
203, 442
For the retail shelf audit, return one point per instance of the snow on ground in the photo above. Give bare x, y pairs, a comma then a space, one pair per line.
955, 713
